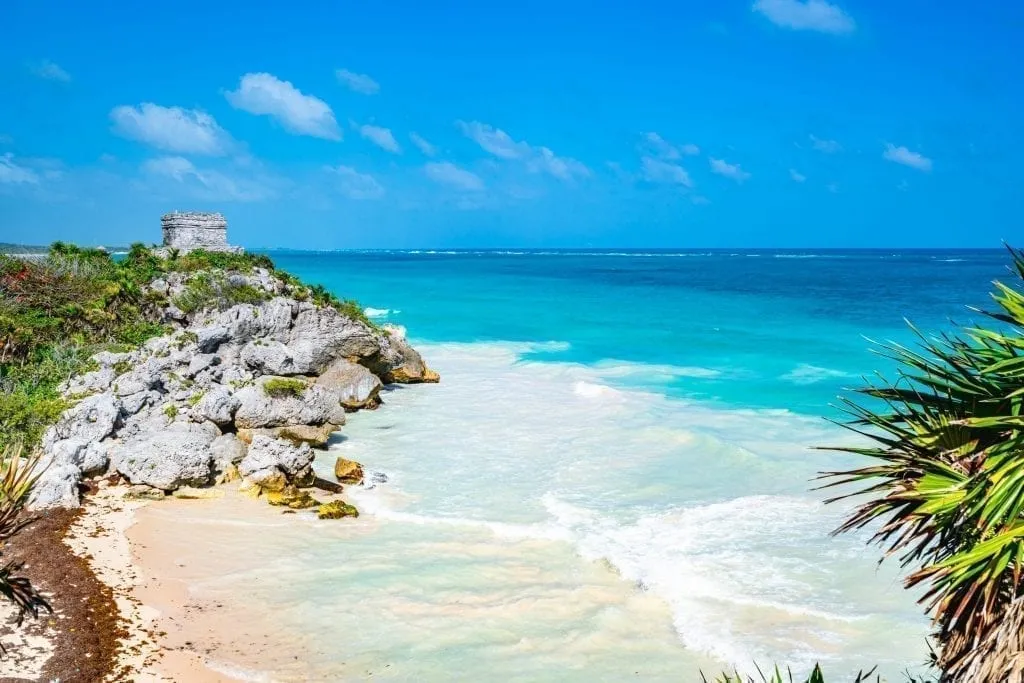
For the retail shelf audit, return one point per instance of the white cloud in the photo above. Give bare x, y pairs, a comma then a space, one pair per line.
722, 168
422, 144
51, 71
447, 173
660, 146
662, 172
356, 185
826, 146
657, 146
13, 174
538, 159
381, 137
265, 94
493, 140
902, 155
207, 184
186, 131
560, 167
796, 175
360, 83
806, 15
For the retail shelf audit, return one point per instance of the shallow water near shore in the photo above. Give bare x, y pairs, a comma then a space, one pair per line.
612, 480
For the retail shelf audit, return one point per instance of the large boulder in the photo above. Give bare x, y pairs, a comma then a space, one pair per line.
269, 462
322, 334
398, 362
245, 322
90, 383
316, 436
57, 487
90, 419
218, 405
270, 357
355, 386
280, 401
176, 456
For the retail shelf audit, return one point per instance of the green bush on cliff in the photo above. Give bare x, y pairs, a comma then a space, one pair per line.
280, 387
214, 290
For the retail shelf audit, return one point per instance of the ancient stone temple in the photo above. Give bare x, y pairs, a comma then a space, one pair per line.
190, 230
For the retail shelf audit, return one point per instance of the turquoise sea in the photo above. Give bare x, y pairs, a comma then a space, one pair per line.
614, 478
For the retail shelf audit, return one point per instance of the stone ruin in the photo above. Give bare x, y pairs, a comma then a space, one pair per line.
190, 230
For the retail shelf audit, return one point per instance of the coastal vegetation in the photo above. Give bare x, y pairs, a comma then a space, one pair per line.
944, 492
18, 473
58, 311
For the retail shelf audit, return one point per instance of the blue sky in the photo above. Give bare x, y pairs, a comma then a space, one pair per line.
754, 123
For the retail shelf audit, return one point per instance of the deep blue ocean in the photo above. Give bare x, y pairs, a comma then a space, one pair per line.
764, 329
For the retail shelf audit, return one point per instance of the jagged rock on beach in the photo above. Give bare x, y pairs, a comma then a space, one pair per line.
336, 509
348, 471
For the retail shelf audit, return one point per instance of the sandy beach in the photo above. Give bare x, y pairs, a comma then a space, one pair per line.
166, 632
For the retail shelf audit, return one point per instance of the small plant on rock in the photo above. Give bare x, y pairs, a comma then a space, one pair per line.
280, 387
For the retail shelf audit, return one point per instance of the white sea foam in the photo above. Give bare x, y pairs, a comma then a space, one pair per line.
703, 507
811, 374
378, 312
652, 372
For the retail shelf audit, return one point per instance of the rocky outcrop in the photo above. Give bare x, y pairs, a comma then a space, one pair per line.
169, 458
355, 386
276, 463
239, 392
397, 362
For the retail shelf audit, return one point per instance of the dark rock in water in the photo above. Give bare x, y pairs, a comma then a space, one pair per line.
374, 477
328, 486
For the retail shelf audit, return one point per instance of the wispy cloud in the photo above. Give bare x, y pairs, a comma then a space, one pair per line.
6, 139
447, 173
266, 95
826, 146
723, 168
806, 15
657, 146
664, 173
50, 71
13, 174
537, 159
186, 131
797, 176
356, 185
205, 183
563, 168
360, 83
381, 137
902, 155
422, 144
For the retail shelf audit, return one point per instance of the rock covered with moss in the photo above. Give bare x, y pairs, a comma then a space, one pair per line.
253, 368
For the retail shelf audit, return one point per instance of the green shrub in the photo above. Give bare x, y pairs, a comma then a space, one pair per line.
279, 387
216, 291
